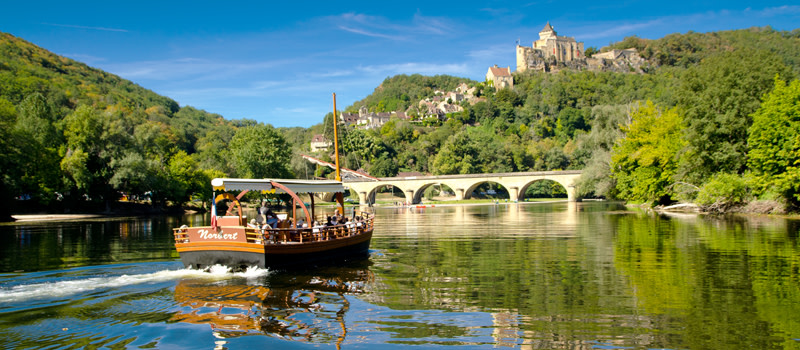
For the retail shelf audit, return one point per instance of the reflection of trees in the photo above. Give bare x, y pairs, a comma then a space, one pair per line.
522, 261
728, 281
57, 244
295, 305
572, 277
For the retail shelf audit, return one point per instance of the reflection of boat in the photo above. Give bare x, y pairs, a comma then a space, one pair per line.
295, 306
230, 241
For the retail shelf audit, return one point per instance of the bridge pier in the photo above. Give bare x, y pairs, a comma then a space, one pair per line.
513, 194
459, 193
362, 198
571, 197
410, 197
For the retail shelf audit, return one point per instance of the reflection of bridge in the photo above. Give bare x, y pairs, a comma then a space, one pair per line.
463, 185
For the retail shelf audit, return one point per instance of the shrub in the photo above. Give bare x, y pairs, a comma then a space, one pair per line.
723, 192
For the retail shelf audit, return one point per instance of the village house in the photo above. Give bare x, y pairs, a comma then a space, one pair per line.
369, 120
500, 78
320, 143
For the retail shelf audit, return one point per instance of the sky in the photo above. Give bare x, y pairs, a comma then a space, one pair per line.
279, 63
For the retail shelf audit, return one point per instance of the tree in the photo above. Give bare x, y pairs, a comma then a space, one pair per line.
186, 179
718, 97
9, 155
596, 178
774, 140
644, 162
260, 152
82, 130
383, 167
459, 155
39, 174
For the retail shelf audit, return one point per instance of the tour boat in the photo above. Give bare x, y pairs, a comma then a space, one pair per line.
232, 242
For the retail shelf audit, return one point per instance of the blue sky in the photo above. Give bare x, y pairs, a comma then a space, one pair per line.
278, 63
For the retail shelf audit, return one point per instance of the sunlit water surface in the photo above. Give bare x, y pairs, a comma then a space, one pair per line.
532, 276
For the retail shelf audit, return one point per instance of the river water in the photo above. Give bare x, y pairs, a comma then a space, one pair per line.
590, 275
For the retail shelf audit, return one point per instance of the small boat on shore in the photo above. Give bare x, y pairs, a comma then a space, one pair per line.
232, 242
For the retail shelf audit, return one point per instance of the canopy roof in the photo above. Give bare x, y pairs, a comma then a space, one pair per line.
297, 186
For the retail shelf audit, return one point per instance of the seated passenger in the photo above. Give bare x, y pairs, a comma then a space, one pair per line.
253, 224
272, 219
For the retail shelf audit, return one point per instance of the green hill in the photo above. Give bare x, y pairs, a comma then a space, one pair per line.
73, 136
573, 119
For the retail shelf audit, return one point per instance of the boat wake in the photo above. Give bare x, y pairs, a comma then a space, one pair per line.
59, 285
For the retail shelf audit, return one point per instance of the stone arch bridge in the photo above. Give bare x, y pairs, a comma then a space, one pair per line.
413, 187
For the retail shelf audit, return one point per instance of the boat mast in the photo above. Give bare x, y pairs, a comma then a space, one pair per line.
336, 139
339, 195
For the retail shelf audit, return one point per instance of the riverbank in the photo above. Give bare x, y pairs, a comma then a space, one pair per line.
754, 208
53, 217
24, 213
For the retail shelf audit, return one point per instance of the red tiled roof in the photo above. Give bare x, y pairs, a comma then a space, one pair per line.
500, 72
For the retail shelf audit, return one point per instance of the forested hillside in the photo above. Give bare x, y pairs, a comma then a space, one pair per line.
72, 136
669, 134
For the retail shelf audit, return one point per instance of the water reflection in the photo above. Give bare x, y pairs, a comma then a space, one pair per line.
36, 246
297, 305
528, 276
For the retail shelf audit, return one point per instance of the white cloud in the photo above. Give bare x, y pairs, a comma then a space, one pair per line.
190, 69
369, 33
779, 11
416, 67
104, 29
381, 27
613, 30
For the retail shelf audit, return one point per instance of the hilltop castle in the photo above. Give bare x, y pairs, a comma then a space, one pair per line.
552, 52
550, 48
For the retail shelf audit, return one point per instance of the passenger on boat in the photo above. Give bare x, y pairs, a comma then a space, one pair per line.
300, 223
253, 224
330, 221
272, 219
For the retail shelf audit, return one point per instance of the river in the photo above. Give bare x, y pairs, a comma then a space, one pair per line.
591, 275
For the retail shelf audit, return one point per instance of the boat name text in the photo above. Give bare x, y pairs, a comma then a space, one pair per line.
204, 234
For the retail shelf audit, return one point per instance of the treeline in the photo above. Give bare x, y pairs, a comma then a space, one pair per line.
73, 137
686, 130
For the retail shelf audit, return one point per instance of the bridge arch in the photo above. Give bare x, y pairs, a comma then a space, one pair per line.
524, 189
420, 191
370, 195
469, 190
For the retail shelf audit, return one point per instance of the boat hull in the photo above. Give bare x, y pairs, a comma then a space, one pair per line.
272, 255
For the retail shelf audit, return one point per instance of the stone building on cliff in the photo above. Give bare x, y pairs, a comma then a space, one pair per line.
549, 50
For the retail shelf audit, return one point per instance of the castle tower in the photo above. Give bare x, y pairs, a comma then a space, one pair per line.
547, 32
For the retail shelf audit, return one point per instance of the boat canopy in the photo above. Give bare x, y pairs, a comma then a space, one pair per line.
295, 185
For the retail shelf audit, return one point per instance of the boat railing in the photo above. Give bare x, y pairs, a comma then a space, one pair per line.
288, 235
315, 233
